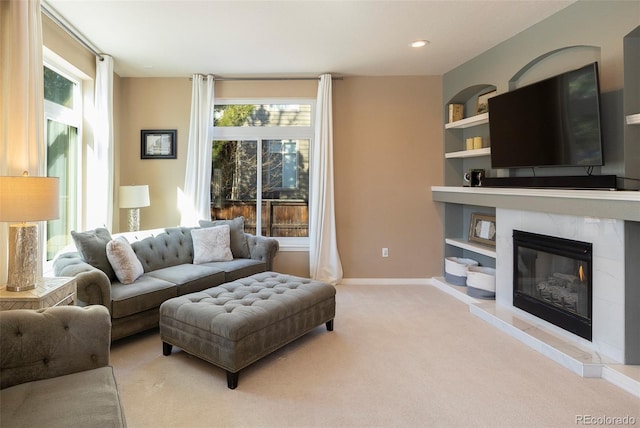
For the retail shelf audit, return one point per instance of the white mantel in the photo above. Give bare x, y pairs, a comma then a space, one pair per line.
620, 205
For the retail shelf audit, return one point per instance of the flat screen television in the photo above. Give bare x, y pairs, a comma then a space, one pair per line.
551, 123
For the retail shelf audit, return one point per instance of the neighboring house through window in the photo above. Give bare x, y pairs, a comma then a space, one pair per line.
263, 144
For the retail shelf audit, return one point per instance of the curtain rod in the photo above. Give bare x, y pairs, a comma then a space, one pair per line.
267, 78
62, 23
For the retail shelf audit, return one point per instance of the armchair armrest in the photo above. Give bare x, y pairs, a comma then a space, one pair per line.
263, 248
93, 285
46, 343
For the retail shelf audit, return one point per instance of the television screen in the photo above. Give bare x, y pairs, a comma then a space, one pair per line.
554, 122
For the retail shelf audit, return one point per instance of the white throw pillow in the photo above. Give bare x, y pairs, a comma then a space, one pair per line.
211, 244
123, 260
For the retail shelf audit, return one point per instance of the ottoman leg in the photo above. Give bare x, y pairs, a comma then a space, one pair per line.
232, 379
329, 325
166, 348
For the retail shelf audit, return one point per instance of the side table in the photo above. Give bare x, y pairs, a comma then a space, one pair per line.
48, 292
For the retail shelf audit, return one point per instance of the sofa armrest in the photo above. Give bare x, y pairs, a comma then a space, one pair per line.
45, 343
93, 285
263, 249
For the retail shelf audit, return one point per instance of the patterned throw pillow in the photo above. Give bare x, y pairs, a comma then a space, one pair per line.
124, 261
211, 244
239, 244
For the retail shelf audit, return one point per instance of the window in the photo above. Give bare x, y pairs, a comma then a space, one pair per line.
63, 118
263, 145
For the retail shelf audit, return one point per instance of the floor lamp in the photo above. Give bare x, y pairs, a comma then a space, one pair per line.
24, 199
134, 197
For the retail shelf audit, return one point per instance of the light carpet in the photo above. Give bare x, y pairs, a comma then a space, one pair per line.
400, 356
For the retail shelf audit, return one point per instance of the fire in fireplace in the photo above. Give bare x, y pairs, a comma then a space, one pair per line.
552, 280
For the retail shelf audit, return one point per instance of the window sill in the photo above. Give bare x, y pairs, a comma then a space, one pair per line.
293, 244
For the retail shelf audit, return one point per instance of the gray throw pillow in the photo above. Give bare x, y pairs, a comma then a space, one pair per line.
239, 244
92, 246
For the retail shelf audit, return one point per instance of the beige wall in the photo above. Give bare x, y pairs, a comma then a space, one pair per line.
387, 148
153, 103
388, 152
57, 40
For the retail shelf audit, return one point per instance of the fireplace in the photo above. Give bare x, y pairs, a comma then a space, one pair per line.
552, 280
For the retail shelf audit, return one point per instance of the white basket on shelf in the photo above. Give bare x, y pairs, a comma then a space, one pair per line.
455, 269
481, 282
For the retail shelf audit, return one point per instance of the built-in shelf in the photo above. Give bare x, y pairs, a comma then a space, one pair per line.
468, 122
485, 151
633, 119
476, 248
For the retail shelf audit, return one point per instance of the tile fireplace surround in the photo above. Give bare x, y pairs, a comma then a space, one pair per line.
607, 237
577, 215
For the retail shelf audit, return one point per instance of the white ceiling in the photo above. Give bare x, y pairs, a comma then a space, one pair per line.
170, 38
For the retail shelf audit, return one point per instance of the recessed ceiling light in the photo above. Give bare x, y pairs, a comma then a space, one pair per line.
419, 43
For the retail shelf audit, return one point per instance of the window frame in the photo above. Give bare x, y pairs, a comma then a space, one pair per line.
262, 134
73, 117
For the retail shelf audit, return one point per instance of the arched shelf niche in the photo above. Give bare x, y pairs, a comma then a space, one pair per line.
469, 97
554, 62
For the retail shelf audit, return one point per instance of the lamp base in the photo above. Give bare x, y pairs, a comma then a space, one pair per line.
23, 257
134, 219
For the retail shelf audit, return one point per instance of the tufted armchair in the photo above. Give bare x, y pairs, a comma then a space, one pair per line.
54, 368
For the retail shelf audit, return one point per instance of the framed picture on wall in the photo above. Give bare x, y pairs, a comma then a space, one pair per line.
158, 144
482, 229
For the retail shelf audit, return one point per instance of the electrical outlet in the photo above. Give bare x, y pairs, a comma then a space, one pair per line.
385, 252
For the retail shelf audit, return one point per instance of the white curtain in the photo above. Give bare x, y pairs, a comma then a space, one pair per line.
195, 201
22, 146
324, 260
99, 191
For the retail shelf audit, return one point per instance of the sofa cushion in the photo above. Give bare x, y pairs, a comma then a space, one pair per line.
211, 244
123, 260
190, 278
84, 399
145, 293
92, 246
239, 268
239, 245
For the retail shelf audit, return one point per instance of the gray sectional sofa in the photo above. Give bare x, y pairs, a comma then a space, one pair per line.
168, 266
54, 370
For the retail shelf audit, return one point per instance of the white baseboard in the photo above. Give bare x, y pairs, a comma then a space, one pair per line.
612, 374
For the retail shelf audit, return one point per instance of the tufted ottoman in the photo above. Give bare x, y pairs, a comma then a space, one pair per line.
237, 323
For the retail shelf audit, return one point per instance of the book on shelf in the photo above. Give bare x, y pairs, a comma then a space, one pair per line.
456, 112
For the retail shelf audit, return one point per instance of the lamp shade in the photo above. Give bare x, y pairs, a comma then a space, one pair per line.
28, 198
134, 196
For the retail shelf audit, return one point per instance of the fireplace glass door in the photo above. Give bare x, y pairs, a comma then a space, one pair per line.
552, 280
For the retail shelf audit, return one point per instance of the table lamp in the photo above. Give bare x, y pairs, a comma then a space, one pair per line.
24, 199
134, 197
